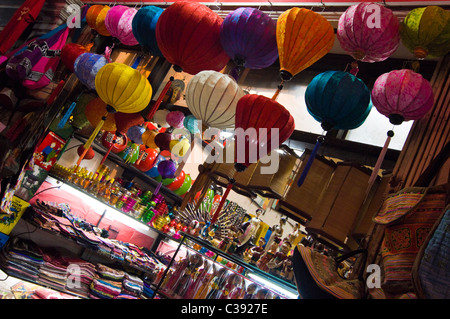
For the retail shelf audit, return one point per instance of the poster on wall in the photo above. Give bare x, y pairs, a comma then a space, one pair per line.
47, 153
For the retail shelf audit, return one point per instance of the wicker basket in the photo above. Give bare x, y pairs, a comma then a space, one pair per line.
340, 204
300, 203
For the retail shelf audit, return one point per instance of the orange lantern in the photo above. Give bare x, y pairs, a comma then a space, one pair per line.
95, 18
94, 112
147, 157
303, 37
148, 138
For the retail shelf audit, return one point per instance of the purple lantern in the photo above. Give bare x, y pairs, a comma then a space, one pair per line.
134, 133
162, 140
167, 169
248, 36
175, 119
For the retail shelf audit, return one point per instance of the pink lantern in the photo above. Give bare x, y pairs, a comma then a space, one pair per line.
118, 22
369, 32
175, 119
400, 95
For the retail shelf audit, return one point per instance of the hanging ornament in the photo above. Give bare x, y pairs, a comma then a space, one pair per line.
212, 98
191, 124
162, 140
400, 95
113, 142
147, 157
184, 188
338, 100
124, 121
188, 35
175, 119
153, 172
303, 37
148, 138
248, 36
118, 22
135, 132
95, 18
177, 182
426, 32
179, 147
160, 118
95, 110
144, 28
71, 51
86, 67
369, 32
89, 154
257, 115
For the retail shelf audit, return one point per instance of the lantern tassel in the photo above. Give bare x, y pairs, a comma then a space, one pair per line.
159, 100
89, 142
280, 87
380, 159
302, 178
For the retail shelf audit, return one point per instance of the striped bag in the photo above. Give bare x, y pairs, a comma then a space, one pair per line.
408, 216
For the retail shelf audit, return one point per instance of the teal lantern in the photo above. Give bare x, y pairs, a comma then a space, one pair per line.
337, 100
144, 28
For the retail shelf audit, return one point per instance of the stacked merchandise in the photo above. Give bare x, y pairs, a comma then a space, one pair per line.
82, 274
132, 287
53, 272
22, 259
107, 284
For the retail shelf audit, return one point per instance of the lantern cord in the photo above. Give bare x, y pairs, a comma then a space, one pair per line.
380, 159
155, 107
280, 87
302, 178
89, 142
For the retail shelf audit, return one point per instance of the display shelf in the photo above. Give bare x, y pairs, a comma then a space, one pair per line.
277, 286
170, 196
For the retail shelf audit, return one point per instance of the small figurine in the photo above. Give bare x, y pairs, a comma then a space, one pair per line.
182, 285
217, 284
194, 228
250, 292
288, 269
257, 251
277, 231
276, 263
251, 227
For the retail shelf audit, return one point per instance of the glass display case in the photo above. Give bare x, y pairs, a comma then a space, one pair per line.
198, 270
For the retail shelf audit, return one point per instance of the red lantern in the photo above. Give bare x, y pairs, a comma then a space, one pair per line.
188, 35
177, 182
89, 154
147, 158
116, 143
71, 51
126, 120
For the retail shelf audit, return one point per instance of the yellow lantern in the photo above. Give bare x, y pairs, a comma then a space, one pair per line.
148, 138
179, 147
426, 31
303, 37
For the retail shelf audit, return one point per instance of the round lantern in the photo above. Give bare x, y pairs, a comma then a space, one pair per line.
175, 119
123, 88
248, 36
124, 121
95, 18
147, 157
167, 169
191, 124
162, 140
303, 37
369, 32
94, 112
134, 133
148, 138
336, 99
118, 22
71, 51
212, 98
188, 35
177, 182
160, 118
114, 142
89, 154
144, 28
179, 147
184, 188
426, 32
86, 67
261, 125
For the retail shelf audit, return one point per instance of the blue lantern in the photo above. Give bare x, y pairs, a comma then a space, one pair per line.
337, 100
86, 67
135, 132
144, 28
191, 124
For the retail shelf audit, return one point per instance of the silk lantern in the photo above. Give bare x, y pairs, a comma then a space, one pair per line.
303, 37
188, 35
400, 95
160, 118
86, 67
144, 28
212, 98
153, 172
338, 100
426, 32
263, 124
179, 147
166, 169
135, 132
175, 119
191, 124
123, 89
148, 138
131, 153
162, 140
71, 51
95, 110
248, 36
147, 157
369, 32
95, 18
118, 22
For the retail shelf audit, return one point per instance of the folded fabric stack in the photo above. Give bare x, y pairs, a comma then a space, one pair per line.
44, 293
132, 285
80, 276
148, 291
53, 272
22, 258
108, 273
105, 289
